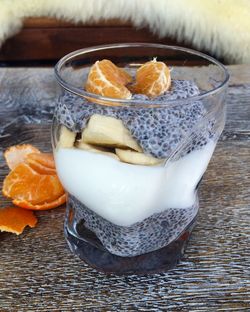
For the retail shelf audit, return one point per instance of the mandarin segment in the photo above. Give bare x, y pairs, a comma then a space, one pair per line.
15, 155
152, 79
15, 219
45, 206
120, 74
23, 183
40, 168
106, 79
44, 159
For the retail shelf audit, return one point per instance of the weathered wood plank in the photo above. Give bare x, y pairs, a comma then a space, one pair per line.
37, 270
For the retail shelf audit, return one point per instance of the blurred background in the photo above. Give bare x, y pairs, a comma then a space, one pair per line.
38, 33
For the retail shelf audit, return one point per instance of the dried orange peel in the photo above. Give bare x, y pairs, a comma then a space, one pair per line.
15, 219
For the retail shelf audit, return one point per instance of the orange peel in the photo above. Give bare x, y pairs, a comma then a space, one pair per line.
15, 219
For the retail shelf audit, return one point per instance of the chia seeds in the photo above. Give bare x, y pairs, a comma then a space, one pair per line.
159, 131
151, 234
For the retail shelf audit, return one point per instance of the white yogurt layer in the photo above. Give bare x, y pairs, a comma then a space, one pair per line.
124, 194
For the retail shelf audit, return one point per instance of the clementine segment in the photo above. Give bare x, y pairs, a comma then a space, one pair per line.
152, 79
15, 219
106, 79
45, 206
23, 183
15, 155
120, 74
44, 159
40, 168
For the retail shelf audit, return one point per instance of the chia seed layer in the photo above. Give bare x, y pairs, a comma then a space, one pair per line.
151, 234
158, 130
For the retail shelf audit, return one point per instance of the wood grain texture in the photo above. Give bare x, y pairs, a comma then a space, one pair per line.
53, 43
48, 39
46, 22
37, 270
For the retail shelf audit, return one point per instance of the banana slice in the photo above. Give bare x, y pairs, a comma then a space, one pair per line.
95, 149
67, 138
108, 131
136, 158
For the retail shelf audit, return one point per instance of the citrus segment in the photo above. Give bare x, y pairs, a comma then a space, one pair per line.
15, 155
152, 79
44, 159
15, 219
23, 183
40, 168
120, 74
48, 205
106, 79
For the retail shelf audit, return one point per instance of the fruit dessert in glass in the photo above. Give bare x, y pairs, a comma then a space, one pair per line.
133, 134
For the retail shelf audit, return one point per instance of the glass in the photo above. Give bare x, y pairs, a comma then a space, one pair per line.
137, 218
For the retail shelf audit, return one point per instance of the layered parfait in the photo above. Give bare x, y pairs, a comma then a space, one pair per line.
131, 171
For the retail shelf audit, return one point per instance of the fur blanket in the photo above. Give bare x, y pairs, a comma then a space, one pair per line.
220, 26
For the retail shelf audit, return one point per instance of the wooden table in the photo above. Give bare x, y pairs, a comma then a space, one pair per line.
37, 270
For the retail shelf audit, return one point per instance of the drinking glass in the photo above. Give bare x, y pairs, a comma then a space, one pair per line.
125, 217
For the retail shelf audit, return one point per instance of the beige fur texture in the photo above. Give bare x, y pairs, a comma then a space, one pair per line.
220, 26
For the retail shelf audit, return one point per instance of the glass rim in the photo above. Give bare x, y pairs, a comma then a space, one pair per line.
131, 102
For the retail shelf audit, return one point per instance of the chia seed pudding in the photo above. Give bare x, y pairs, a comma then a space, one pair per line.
160, 132
132, 138
142, 237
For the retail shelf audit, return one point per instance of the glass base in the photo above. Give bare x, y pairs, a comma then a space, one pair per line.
93, 253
